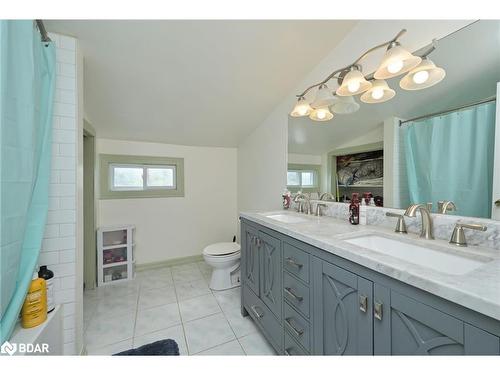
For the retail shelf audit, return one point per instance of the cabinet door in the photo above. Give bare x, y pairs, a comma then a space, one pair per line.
250, 258
270, 273
404, 326
343, 323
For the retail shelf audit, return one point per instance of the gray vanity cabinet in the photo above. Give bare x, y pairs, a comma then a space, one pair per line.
404, 326
308, 301
250, 265
342, 311
270, 272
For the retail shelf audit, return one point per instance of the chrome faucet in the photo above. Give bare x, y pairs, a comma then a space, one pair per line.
327, 196
302, 199
444, 206
426, 231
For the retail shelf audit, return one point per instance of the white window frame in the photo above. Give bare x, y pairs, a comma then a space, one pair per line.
315, 174
144, 168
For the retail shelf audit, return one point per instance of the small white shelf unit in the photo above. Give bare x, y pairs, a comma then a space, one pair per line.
115, 254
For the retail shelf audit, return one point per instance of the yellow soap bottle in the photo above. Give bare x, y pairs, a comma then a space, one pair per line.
34, 310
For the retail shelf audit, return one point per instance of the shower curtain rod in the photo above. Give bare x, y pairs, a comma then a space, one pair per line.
43, 32
492, 99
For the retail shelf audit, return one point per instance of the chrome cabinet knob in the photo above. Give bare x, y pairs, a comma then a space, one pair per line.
363, 303
378, 309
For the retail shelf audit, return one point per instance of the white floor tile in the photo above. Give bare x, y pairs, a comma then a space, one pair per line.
175, 333
192, 289
198, 307
228, 299
111, 349
229, 348
256, 344
116, 305
182, 276
241, 326
156, 297
204, 268
109, 329
207, 333
157, 318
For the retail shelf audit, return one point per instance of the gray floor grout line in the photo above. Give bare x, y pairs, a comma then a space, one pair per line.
180, 316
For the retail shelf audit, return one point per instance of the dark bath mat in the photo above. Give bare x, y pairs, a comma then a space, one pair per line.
162, 347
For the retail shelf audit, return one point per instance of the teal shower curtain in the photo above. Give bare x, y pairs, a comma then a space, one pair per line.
450, 157
27, 79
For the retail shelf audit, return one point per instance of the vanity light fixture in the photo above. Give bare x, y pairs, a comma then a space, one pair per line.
422, 73
379, 93
425, 75
324, 97
321, 114
396, 61
353, 83
302, 108
344, 105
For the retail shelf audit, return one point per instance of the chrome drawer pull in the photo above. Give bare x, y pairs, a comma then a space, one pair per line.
290, 292
363, 303
293, 263
378, 308
298, 332
257, 314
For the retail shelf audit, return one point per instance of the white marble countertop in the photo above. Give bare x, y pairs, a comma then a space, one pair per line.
478, 290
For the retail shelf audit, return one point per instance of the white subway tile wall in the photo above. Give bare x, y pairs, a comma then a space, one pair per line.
59, 245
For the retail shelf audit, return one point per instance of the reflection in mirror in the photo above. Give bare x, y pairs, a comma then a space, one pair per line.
436, 145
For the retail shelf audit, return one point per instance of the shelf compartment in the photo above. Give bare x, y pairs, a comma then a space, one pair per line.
114, 273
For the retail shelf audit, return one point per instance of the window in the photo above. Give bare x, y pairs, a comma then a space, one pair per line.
302, 177
127, 176
141, 177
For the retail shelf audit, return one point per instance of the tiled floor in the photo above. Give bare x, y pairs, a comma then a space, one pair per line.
175, 303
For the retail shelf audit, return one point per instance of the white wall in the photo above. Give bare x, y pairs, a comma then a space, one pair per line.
59, 245
169, 228
262, 155
304, 159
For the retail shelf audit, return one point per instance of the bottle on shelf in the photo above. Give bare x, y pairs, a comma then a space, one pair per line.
34, 310
48, 276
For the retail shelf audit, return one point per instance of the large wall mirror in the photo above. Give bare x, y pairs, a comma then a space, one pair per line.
427, 146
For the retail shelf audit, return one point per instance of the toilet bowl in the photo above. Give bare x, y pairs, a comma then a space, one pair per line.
224, 258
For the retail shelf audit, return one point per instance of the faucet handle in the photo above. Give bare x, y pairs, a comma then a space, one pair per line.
458, 236
400, 225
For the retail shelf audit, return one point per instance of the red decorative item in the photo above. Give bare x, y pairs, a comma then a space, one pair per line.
354, 209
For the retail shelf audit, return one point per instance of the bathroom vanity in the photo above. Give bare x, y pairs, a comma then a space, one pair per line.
319, 286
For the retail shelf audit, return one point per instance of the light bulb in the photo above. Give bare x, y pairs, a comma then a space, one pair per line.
377, 93
395, 66
321, 114
421, 77
302, 110
353, 86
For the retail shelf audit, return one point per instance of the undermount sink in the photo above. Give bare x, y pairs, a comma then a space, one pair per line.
288, 219
441, 261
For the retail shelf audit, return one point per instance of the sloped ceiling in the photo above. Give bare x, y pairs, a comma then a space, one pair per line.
205, 83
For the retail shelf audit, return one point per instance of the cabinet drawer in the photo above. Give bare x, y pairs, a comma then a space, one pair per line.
291, 346
264, 318
296, 294
297, 327
296, 262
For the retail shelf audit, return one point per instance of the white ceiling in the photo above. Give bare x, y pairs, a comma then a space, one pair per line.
207, 83
471, 58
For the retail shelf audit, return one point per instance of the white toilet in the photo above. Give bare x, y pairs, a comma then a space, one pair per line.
224, 258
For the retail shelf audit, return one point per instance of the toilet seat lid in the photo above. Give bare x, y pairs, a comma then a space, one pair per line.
222, 248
